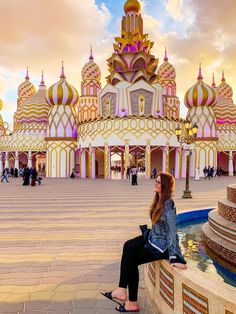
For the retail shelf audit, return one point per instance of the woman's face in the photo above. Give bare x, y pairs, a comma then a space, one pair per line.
158, 185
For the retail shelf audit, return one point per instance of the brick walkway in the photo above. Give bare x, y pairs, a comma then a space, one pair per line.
61, 242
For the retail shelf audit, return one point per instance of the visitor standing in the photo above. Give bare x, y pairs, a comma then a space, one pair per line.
134, 172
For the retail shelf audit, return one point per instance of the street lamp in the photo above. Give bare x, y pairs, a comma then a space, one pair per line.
187, 136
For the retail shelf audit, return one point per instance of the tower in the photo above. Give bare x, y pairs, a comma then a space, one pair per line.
166, 77
90, 87
200, 100
62, 128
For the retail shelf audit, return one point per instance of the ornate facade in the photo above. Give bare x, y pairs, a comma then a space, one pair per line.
134, 116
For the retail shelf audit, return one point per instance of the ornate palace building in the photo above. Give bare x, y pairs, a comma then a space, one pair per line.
134, 116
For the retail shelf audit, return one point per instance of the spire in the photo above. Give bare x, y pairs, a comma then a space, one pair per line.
166, 58
223, 76
27, 74
213, 81
62, 71
42, 80
91, 53
200, 73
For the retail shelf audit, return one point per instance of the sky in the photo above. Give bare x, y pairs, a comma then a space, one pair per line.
40, 34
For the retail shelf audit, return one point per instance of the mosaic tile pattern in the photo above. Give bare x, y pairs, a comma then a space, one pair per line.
167, 286
151, 273
193, 302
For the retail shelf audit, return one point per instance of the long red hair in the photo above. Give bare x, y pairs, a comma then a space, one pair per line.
167, 189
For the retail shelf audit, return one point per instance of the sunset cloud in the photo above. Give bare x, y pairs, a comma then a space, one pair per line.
40, 34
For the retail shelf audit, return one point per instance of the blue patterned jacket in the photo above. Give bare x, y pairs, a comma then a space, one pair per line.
163, 234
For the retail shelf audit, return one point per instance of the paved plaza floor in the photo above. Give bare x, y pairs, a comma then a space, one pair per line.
61, 242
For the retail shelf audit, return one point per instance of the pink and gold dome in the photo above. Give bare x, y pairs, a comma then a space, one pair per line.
91, 70
132, 6
200, 94
224, 89
26, 88
166, 71
62, 93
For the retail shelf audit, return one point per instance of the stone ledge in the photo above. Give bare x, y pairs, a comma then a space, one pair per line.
187, 290
231, 193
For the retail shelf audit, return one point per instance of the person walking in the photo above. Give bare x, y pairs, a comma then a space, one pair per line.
208, 173
5, 175
161, 242
154, 173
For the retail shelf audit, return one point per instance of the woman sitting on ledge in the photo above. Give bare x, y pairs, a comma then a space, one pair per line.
161, 242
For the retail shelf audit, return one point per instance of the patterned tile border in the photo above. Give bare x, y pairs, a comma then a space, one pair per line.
167, 286
151, 273
194, 302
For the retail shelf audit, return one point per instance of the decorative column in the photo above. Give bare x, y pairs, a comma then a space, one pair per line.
17, 160
165, 159
107, 162
192, 164
93, 159
127, 161
90, 161
177, 162
83, 164
1, 164
7, 160
30, 159
148, 160
231, 166
122, 165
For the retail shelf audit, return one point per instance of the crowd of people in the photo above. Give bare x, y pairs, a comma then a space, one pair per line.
211, 172
29, 175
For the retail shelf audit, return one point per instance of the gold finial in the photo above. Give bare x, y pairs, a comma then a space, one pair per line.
132, 6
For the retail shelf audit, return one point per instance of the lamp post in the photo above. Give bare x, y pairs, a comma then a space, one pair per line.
187, 136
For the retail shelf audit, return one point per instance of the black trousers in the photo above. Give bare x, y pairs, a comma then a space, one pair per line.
134, 255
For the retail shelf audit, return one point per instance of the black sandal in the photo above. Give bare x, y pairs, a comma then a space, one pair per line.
108, 295
122, 309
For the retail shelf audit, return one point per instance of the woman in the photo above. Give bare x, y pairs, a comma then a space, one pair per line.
162, 243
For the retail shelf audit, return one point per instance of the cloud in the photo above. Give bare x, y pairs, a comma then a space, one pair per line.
193, 30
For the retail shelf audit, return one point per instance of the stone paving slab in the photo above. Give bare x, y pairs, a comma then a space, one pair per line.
61, 242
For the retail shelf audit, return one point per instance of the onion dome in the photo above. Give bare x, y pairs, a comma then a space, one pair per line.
35, 108
91, 70
224, 89
166, 71
62, 93
26, 88
200, 94
132, 6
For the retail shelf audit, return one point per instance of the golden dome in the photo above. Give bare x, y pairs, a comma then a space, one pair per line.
62, 93
132, 6
224, 89
166, 71
26, 88
91, 70
200, 94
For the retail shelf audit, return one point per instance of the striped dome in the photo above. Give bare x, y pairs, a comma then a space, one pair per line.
224, 89
35, 108
62, 93
200, 94
166, 71
26, 88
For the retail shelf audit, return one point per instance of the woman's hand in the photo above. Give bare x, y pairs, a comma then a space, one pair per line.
179, 265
